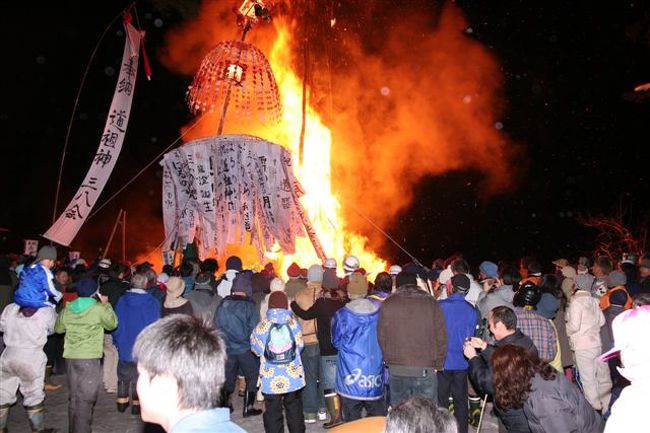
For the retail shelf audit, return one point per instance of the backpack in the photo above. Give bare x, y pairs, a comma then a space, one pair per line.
280, 347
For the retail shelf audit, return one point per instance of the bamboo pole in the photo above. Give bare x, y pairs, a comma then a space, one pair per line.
123, 236
110, 239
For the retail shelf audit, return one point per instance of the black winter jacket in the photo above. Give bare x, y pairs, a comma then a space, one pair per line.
557, 405
480, 372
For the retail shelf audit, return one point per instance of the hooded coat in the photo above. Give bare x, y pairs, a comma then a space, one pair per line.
84, 321
135, 310
35, 287
279, 378
360, 362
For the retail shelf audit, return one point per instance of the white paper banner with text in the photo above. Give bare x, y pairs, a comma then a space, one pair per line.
75, 214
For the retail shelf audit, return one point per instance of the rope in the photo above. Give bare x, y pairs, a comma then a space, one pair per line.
146, 167
74, 111
415, 260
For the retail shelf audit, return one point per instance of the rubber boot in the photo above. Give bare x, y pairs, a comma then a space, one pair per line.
249, 404
333, 406
122, 395
225, 400
36, 416
4, 417
450, 406
474, 411
135, 400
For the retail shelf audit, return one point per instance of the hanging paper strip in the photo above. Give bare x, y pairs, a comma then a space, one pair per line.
217, 189
67, 226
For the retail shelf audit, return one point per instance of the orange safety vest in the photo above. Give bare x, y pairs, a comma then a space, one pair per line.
605, 303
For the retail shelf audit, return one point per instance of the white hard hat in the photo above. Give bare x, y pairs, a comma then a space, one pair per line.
395, 269
351, 263
330, 263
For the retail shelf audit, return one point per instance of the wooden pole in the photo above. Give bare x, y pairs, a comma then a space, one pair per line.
226, 100
110, 239
301, 148
123, 236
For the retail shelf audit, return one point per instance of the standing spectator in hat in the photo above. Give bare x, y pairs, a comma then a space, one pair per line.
203, 299
460, 321
360, 363
615, 284
233, 267
413, 338
181, 370
35, 287
323, 309
296, 282
22, 363
393, 271
84, 321
282, 379
174, 302
135, 310
276, 285
236, 317
584, 320
499, 291
533, 324
312, 399
629, 412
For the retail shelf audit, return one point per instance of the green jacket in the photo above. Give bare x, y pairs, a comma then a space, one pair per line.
84, 321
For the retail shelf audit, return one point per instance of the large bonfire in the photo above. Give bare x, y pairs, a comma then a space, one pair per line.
390, 181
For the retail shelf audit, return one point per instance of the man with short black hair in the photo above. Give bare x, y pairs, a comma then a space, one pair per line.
502, 322
181, 367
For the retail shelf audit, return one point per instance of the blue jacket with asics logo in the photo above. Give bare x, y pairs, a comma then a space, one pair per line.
360, 363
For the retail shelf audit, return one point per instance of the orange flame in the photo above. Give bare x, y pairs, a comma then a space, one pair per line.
425, 104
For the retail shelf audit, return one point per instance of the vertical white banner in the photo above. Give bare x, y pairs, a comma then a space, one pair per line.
75, 214
31, 247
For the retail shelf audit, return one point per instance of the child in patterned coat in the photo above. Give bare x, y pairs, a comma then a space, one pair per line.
282, 378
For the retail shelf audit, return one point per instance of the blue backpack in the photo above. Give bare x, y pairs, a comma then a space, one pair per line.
280, 347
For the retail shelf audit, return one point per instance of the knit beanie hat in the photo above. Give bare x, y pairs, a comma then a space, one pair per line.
404, 278
175, 287
490, 269
278, 300
461, 283
294, 270
616, 278
357, 286
242, 283
47, 252
234, 262
330, 280
315, 273
277, 285
86, 287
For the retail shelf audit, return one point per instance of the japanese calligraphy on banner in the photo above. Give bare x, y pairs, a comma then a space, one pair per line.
217, 189
31, 247
67, 226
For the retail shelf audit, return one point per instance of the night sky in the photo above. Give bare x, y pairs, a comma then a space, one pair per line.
569, 67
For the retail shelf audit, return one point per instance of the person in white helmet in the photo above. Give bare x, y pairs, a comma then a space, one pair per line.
393, 271
350, 264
